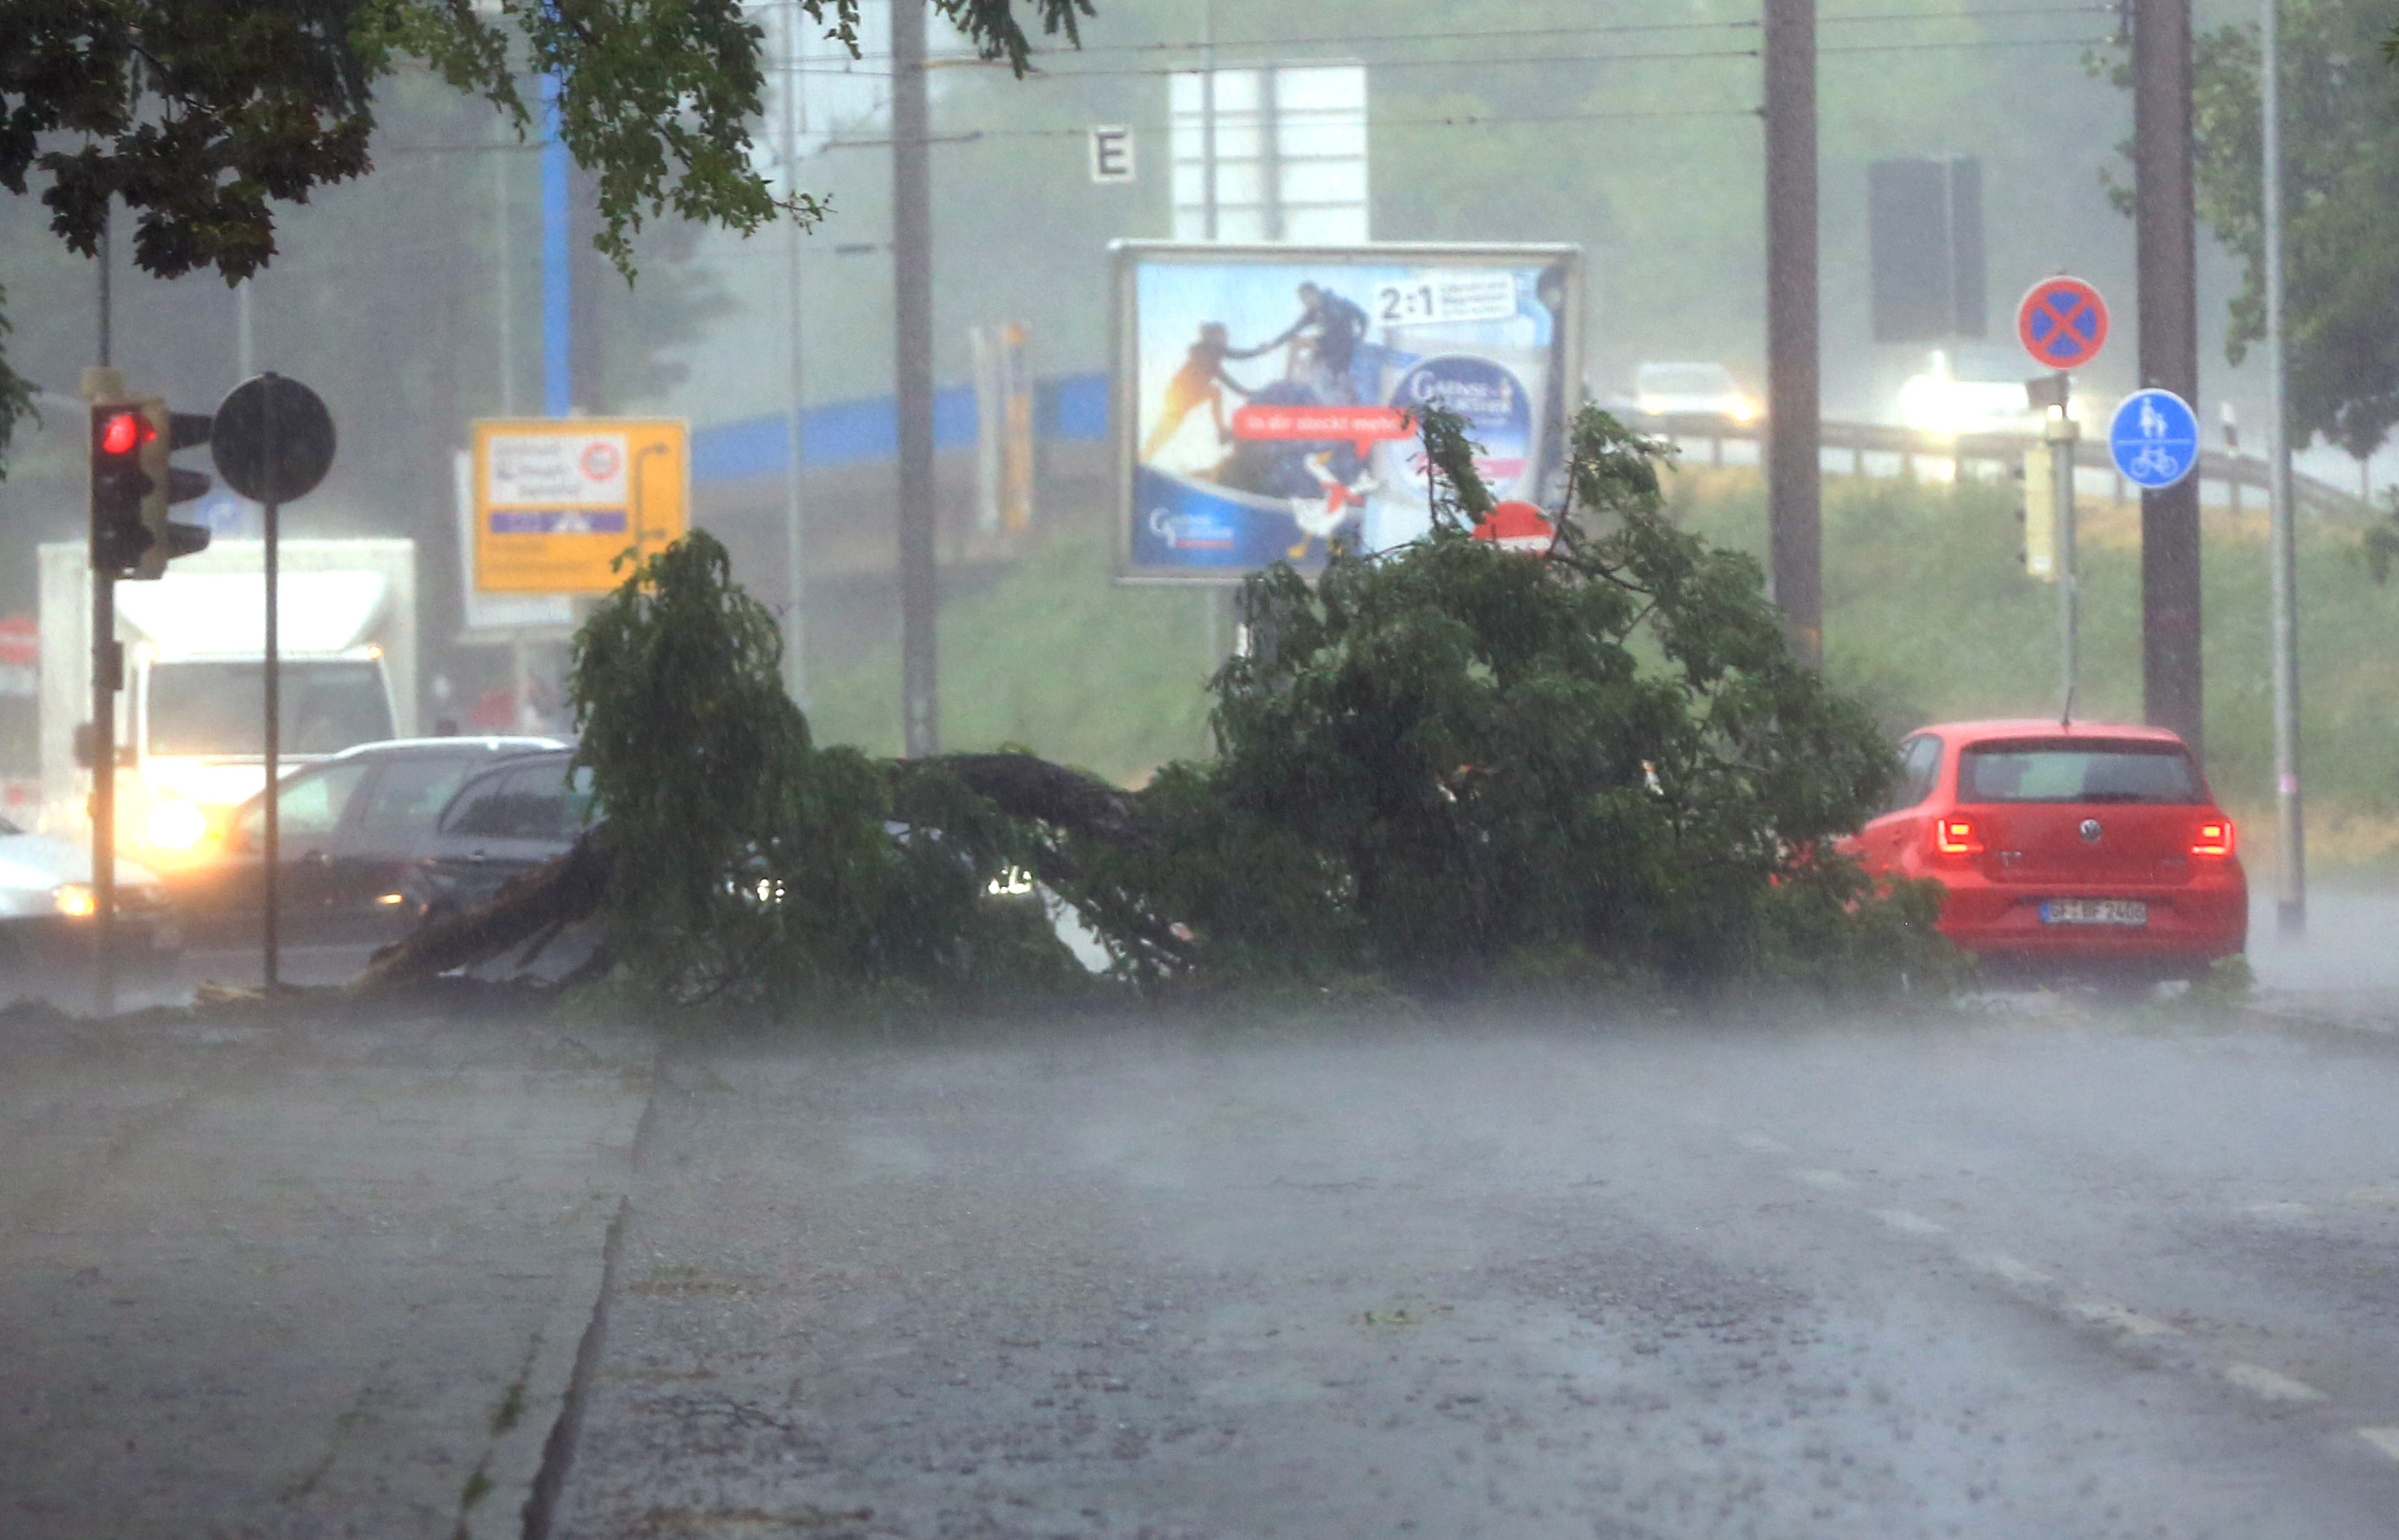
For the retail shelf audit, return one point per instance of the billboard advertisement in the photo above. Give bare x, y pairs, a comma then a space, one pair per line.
1263, 393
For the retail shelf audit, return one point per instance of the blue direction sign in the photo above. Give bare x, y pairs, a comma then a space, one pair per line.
2154, 438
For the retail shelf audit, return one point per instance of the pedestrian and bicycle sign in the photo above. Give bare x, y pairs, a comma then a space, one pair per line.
2062, 322
2154, 438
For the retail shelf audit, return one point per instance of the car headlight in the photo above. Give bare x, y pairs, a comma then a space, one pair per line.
75, 900
176, 824
1744, 410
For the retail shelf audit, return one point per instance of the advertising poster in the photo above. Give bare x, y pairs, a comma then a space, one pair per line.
1263, 393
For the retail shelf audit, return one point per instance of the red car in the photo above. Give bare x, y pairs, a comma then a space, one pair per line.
2066, 847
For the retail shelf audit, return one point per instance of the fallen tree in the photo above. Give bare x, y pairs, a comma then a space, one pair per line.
1437, 767
573, 888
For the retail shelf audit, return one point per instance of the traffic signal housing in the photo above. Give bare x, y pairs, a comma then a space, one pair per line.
120, 480
168, 432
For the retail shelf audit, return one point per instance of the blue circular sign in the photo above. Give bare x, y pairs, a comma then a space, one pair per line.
2154, 438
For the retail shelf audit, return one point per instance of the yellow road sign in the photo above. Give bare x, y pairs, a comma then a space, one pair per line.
558, 499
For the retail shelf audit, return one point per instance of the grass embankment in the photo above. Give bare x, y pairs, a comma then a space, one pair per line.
1055, 658
1928, 614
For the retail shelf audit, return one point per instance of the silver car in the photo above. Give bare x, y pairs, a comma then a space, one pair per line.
47, 904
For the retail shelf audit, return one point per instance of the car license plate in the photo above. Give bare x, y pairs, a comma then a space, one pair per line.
2095, 911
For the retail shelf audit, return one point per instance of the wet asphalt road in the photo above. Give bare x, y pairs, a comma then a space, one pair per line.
2019, 1274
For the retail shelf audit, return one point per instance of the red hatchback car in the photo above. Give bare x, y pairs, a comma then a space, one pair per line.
2066, 847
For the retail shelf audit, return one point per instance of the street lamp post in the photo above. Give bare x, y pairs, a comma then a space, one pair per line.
2291, 886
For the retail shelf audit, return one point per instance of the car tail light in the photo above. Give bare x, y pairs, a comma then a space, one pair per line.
2213, 838
1956, 837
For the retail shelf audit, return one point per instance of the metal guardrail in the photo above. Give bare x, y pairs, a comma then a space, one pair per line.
2006, 450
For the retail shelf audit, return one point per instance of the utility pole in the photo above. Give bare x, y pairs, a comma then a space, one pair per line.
1794, 489
2165, 249
2291, 853
796, 629
912, 273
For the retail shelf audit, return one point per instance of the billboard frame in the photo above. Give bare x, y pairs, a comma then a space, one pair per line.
1125, 259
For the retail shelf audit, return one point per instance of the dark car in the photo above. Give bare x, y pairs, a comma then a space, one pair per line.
509, 818
350, 828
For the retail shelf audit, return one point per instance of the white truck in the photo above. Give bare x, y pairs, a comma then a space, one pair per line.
191, 720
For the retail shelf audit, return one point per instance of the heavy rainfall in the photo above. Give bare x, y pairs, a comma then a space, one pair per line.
1195, 770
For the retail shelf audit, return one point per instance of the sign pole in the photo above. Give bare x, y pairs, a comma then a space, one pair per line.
271, 873
2062, 432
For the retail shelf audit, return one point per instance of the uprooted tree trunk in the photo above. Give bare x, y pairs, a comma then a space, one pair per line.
553, 895
573, 887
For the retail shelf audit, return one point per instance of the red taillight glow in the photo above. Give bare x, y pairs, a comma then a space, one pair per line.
126, 432
2213, 838
1956, 837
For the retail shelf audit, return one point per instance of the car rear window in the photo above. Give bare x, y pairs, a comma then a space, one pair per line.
533, 802
2079, 770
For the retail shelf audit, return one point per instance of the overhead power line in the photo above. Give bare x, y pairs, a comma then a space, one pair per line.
1219, 46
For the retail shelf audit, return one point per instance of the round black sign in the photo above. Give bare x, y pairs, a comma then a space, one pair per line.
273, 438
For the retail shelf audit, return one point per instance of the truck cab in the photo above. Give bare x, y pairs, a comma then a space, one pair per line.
191, 719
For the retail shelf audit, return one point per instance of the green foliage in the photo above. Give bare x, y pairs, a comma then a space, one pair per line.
1057, 657
1440, 759
1448, 766
202, 115
2340, 171
748, 865
1928, 616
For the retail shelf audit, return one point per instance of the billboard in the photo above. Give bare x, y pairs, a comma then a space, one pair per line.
1262, 393
558, 499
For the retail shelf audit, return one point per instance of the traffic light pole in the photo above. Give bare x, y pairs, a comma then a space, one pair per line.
107, 671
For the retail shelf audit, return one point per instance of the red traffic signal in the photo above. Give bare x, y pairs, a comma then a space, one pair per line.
134, 488
119, 482
125, 432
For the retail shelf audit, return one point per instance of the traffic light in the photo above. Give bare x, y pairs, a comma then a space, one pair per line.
168, 432
119, 482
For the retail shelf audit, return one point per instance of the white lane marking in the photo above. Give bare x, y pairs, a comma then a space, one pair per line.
2384, 1439
2378, 1195
1914, 1225
2130, 1322
1758, 1143
2002, 1266
2259, 1380
1830, 1182
2279, 1211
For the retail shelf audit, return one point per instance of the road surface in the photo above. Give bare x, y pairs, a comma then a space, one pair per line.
2024, 1273
2024, 1269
